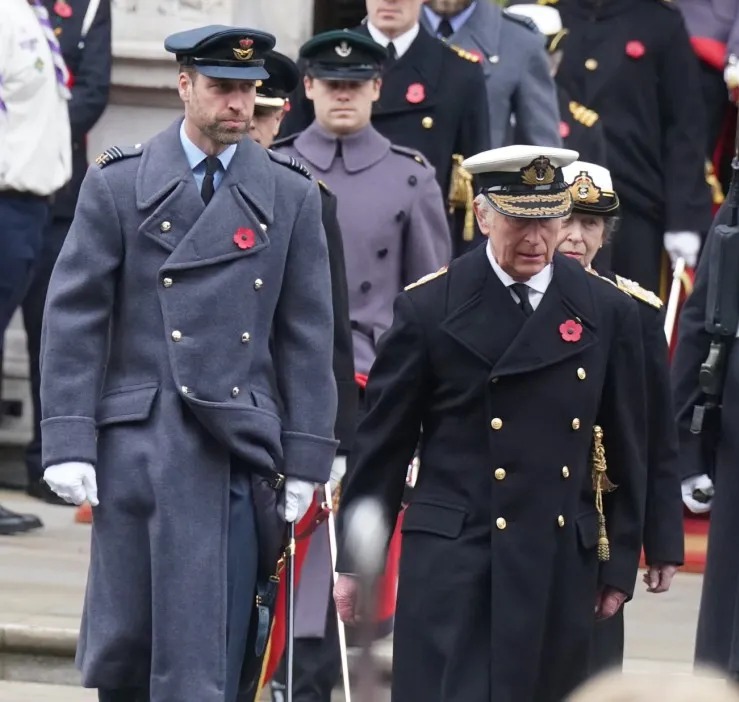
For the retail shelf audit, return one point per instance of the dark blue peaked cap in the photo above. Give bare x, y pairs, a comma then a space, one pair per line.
219, 51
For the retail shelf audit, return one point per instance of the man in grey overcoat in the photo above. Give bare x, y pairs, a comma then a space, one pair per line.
187, 380
514, 59
394, 229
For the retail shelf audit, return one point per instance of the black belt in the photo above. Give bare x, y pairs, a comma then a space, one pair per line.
24, 195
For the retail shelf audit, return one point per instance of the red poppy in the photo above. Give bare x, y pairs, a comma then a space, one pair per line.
244, 238
635, 49
416, 93
570, 330
63, 9
564, 130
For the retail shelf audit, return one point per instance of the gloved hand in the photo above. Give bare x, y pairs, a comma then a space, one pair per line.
683, 245
338, 471
298, 498
690, 485
731, 76
74, 482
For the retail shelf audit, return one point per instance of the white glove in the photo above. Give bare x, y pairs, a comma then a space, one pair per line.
731, 74
697, 482
683, 245
74, 482
298, 498
338, 471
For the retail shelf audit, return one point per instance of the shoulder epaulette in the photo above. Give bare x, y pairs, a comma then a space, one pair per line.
284, 141
637, 291
118, 153
324, 187
411, 153
426, 278
468, 55
525, 21
290, 162
582, 114
595, 273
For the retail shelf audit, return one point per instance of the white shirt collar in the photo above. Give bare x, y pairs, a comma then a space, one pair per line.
401, 43
539, 282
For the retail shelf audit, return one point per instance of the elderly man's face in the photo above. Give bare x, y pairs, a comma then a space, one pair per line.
522, 246
393, 17
449, 8
265, 124
342, 106
581, 236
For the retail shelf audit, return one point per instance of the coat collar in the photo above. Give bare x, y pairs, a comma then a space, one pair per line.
177, 217
359, 151
482, 28
478, 299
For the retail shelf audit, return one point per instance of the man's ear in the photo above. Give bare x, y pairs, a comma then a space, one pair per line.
482, 214
308, 85
184, 85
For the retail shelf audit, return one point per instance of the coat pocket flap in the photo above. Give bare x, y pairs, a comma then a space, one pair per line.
442, 520
131, 404
587, 529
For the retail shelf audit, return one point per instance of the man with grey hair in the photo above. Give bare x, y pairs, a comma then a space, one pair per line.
526, 373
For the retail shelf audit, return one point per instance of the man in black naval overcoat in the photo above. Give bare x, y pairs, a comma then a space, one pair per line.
521, 367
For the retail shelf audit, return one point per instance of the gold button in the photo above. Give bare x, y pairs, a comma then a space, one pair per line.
245, 338
185, 390
167, 282
575, 423
165, 226
497, 423
500, 474
565, 472
235, 392
258, 283
176, 335
561, 520
427, 122
501, 523
591, 64
263, 226
581, 373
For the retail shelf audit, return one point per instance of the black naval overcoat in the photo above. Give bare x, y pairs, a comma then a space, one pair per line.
717, 639
499, 571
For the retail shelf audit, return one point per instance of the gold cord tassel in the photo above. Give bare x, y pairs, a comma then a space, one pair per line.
461, 195
601, 484
717, 193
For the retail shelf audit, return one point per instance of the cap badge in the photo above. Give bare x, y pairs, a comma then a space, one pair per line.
245, 52
538, 172
584, 190
343, 49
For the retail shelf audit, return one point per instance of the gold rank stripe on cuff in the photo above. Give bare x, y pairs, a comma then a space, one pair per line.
426, 278
582, 114
633, 288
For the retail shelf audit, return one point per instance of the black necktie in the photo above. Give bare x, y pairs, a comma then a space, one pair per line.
392, 54
445, 28
212, 164
522, 291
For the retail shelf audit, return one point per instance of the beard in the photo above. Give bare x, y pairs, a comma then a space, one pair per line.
225, 135
449, 8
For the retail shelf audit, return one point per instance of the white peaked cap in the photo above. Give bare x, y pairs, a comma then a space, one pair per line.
600, 176
545, 17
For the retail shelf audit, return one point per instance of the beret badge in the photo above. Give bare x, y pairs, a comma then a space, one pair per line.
538, 172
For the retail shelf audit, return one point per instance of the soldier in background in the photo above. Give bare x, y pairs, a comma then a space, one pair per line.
520, 88
631, 61
433, 101
83, 28
580, 128
393, 223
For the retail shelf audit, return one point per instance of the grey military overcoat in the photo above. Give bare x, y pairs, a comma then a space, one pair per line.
176, 338
394, 228
517, 76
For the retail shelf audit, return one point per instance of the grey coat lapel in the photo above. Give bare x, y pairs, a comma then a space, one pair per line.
482, 29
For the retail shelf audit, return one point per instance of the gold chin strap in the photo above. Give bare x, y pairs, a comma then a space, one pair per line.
601, 484
461, 195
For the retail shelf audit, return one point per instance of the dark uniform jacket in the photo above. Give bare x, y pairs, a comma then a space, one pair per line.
346, 386
450, 118
499, 571
631, 61
88, 60
581, 129
717, 637
663, 524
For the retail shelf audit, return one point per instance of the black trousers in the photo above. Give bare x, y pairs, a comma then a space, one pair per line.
33, 314
607, 652
241, 588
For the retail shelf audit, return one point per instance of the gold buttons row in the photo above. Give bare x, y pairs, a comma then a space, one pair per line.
497, 423
500, 473
501, 523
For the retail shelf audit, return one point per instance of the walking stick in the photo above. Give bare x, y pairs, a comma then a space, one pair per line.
342, 632
290, 612
674, 299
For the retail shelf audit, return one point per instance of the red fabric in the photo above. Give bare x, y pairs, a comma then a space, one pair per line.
711, 51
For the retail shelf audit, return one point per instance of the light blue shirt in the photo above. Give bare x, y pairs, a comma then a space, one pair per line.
457, 21
196, 159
